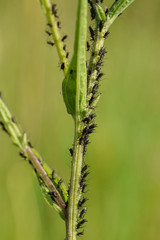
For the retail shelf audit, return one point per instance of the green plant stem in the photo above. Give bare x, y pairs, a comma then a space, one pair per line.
74, 195
46, 179
55, 32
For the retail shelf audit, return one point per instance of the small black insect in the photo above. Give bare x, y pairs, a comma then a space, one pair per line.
106, 11
54, 11
53, 174
91, 100
60, 182
59, 25
53, 195
99, 76
13, 120
102, 52
106, 34
80, 233
49, 25
93, 126
67, 54
85, 174
84, 168
64, 47
50, 43
81, 223
62, 66
95, 88
71, 71
83, 187
71, 151
48, 33
89, 118
22, 155
4, 128
64, 38
88, 46
82, 213
30, 144
101, 24
119, 14
90, 2
93, 12
92, 33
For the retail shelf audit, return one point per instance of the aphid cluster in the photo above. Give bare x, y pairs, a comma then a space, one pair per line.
92, 94
49, 33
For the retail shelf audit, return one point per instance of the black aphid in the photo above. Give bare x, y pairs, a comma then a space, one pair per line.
50, 43
13, 120
119, 14
54, 11
89, 118
59, 25
62, 66
102, 52
99, 76
64, 38
82, 213
93, 12
85, 175
71, 151
101, 24
90, 2
95, 88
22, 155
106, 34
49, 25
91, 100
64, 47
80, 233
92, 33
4, 128
53, 195
60, 182
106, 10
81, 223
71, 71
81, 202
93, 126
30, 144
84, 168
49, 33
88, 46
84, 187
53, 174
67, 54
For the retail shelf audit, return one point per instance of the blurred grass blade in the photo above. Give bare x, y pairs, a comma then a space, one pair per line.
74, 86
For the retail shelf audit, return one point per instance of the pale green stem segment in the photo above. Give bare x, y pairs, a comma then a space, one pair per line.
43, 172
47, 7
76, 106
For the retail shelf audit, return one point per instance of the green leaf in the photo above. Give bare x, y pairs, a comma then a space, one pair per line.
101, 13
117, 8
74, 86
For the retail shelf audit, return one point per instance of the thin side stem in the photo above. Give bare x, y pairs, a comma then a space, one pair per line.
45, 178
74, 185
56, 35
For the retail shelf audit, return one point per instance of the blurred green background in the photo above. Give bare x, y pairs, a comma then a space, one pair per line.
124, 184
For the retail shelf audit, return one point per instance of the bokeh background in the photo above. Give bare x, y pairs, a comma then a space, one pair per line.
124, 184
